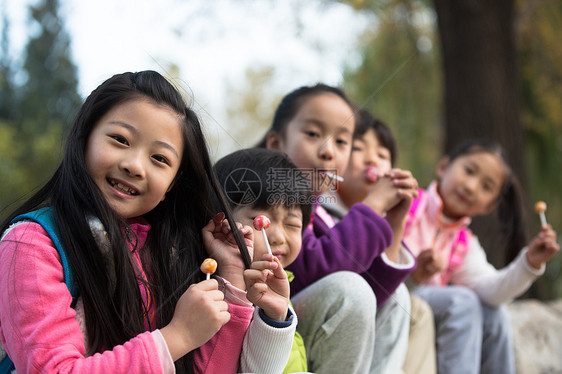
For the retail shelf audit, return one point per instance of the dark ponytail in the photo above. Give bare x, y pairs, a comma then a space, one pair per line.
512, 217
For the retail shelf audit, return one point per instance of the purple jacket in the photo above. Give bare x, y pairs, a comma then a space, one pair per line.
354, 244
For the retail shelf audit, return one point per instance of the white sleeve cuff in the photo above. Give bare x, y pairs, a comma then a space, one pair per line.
531, 269
266, 349
405, 259
163, 352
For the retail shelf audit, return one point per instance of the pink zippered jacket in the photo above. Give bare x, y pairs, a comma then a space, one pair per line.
427, 228
40, 331
467, 265
38, 327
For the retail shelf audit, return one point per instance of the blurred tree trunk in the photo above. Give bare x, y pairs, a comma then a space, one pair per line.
481, 87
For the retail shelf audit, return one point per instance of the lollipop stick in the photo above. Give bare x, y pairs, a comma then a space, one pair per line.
208, 276
266, 242
334, 176
543, 219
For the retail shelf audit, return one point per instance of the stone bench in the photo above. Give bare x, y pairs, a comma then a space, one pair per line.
537, 336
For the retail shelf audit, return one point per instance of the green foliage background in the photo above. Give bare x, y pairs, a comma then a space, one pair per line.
36, 110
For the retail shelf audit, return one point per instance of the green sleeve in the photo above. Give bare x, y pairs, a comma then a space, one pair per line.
297, 359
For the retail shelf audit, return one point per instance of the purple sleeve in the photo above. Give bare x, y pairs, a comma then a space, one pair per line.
384, 278
352, 245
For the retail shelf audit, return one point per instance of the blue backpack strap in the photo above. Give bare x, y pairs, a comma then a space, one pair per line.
45, 218
6, 366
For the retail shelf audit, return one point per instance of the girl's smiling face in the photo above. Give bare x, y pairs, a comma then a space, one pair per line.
133, 155
318, 138
470, 184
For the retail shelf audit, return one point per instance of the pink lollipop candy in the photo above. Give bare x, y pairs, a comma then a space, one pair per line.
261, 223
372, 173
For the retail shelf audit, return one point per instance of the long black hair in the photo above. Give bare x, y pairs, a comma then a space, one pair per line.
292, 102
175, 241
511, 214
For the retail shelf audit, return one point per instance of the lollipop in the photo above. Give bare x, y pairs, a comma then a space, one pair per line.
540, 208
209, 266
261, 223
372, 173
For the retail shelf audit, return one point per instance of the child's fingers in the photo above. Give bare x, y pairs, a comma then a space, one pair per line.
549, 238
207, 285
547, 230
253, 276
398, 173
225, 227
407, 194
210, 226
257, 274
256, 290
248, 234
553, 246
218, 218
549, 241
246, 231
547, 234
408, 183
265, 264
277, 269
425, 255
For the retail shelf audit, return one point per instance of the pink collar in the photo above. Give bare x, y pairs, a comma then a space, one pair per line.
435, 209
140, 227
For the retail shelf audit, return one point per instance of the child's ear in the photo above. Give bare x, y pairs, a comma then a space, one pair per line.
441, 166
273, 141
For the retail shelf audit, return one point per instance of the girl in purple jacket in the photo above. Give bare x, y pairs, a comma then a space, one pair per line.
314, 126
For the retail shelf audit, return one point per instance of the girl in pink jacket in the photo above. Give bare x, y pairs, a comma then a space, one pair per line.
132, 206
466, 292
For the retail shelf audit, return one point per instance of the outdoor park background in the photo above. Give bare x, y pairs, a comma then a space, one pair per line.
435, 71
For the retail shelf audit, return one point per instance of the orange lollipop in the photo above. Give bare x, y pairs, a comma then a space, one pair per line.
209, 266
540, 208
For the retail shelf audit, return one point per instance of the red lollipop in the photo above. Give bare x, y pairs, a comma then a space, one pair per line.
372, 173
261, 223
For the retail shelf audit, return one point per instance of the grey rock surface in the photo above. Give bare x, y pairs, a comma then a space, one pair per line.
537, 336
